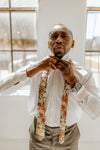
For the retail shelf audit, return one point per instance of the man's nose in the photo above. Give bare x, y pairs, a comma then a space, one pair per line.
59, 40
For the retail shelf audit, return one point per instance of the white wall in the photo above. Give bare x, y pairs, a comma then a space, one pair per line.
14, 118
14, 123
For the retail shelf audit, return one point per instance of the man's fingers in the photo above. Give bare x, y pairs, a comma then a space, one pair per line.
65, 62
60, 66
57, 60
54, 57
52, 65
54, 61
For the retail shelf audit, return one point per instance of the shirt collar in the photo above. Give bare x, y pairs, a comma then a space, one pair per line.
66, 57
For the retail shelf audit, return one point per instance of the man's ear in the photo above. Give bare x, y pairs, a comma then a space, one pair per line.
73, 43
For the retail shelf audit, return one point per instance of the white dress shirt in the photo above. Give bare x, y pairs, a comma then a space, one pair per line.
86, 99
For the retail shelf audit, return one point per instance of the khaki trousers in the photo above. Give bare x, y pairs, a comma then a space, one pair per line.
50, 142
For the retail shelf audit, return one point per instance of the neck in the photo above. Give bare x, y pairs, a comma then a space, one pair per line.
59, 56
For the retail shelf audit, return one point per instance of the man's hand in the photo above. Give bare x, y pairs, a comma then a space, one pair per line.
67, 71
46, 64
53, 62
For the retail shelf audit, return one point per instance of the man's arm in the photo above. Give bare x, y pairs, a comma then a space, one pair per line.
45, 64
88, 97
14, 81
19, 78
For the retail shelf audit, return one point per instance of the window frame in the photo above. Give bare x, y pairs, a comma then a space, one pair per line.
92, 9
93, 51
18, 9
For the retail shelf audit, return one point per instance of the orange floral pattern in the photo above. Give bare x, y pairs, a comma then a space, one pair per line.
40, 128
64, 112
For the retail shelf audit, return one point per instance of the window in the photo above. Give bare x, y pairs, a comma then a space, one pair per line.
92, 49
18, 34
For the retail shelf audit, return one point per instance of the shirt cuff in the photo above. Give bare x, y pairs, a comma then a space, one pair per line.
88, 102
81, 94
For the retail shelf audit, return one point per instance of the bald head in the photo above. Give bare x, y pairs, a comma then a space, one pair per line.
60, 27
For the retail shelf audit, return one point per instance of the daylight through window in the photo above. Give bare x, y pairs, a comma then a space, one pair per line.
92, 52
18, 34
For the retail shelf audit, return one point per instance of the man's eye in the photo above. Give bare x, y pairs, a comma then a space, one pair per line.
54, 36
64, 36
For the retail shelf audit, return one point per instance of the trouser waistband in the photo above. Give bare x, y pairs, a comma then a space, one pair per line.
54, 129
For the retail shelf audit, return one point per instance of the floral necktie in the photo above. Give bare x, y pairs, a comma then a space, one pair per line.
63, 112
40, 128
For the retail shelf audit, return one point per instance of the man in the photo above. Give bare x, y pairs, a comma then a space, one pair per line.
60, 90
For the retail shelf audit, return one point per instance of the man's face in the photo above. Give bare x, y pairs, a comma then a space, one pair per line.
60, 41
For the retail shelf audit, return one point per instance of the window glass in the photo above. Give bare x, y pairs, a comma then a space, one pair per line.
93, 31
92, 61
4, 31
21, 59
4, 3
5, 68
24, 3
93, 3
92, 54
24, 30
18, 36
